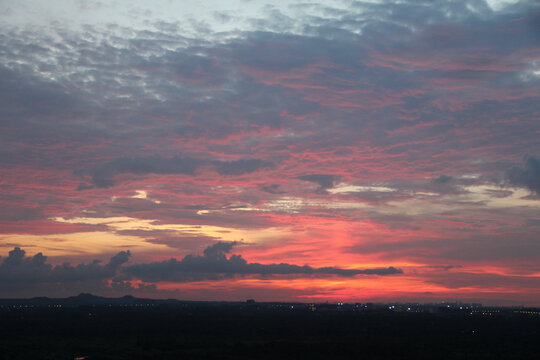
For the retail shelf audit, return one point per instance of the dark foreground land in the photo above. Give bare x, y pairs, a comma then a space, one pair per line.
253, 331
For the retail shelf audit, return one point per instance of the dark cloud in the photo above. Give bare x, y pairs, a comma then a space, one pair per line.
446, 185
19, 270
527, 176
21, 275
443, 179
24, 276
215, 265
444, 267
218, 250
272, 189
117, 260
324, 181
102, 175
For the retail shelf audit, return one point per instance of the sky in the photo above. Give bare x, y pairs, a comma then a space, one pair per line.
359, 151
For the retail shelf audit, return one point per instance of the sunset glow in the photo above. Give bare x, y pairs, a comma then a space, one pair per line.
284, 151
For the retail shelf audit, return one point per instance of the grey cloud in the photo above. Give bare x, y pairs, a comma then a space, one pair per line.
446, 184
214, 265
532, 222
325, 181
443, 179
242, 166
272, 189
117, 260
25, 276
527, 176
218, 250
18, 269
16, 213
186, 83
444, 267
102, 175
498, 193
395, 221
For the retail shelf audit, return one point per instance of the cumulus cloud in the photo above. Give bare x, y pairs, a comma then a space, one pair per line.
527, 176
215, 265
20, 269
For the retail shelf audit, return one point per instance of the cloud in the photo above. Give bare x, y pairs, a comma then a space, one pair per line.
242, 166
444, 267
25, 276
19, 270
102, 175
464, 279
16, 213
174, 239
325, 181
443, 179
393, 93
215, 265
527, 176
218, 250
272, 189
